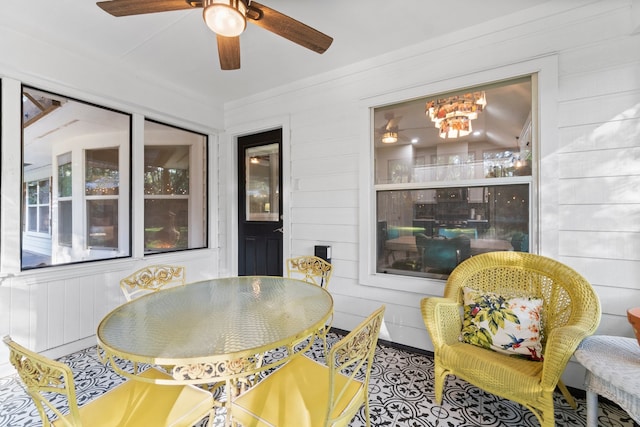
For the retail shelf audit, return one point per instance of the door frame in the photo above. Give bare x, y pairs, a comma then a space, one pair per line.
228, 263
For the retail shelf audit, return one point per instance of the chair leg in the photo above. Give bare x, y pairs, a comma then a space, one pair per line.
544, 411
212, 416
440, 375
592, 409
366, 409
568, 397
548, 419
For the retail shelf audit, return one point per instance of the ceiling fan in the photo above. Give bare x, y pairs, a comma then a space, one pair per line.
389, 132
228, 18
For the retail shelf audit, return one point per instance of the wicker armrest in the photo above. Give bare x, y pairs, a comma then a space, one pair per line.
442, 318
560, 345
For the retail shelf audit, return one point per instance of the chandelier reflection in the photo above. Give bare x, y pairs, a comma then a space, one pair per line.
453, 115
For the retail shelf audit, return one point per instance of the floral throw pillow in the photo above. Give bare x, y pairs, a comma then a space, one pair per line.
509, 325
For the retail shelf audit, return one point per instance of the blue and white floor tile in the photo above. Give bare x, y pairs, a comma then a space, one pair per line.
401, 395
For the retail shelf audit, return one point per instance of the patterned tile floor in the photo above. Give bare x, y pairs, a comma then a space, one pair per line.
401, 396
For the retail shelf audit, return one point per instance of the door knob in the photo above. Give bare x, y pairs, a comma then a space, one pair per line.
279, 229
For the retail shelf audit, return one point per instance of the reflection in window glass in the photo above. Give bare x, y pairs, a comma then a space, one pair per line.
166, 224
64, 175
65, 203
102, 170
453, 176
75, 206
428, 232
174, 189
499, 145
102, 220
65, 222
262, 165
38, 206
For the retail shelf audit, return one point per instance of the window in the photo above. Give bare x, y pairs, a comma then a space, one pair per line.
76, 178
175, 202
453, 177
102, 195
65, 203
38, 206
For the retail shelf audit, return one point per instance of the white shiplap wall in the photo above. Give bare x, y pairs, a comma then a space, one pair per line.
589, 167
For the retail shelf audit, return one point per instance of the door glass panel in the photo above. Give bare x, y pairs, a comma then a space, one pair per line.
262, 198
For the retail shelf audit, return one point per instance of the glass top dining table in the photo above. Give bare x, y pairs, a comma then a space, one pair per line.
214, 329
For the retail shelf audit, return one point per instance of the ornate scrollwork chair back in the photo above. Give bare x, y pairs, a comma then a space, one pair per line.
567, 307
133, 403
315, 270
304, 392
311, 269
43, 380
150, 279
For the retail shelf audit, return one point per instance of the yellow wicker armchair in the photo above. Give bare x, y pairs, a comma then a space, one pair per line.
311, 269
570, 312
150, 279
133, 403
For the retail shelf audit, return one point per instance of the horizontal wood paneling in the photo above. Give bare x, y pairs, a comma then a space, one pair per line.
603, 218
601, 163
593, 82
601, 190
330, 199
325, 165
599, 244
608, 273
599, 109
597, 136
325, 215
325, 232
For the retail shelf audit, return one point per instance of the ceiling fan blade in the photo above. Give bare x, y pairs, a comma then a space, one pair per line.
288, 28
139, 7
229, 52
392, 124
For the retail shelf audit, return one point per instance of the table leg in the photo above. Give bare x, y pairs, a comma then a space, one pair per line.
592, 409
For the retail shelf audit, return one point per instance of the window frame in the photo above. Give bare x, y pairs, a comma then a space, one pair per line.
37, 206
11, 92
198, 178
59, 255
543, 197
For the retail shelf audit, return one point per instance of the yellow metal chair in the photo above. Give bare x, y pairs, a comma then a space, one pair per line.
310, 269
315, 270
150, 279
305, 393
570, 312
132, 403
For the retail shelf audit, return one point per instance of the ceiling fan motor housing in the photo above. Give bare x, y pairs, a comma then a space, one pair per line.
225, 17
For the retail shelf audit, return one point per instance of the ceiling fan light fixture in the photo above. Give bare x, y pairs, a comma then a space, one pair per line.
226, 18
389, 137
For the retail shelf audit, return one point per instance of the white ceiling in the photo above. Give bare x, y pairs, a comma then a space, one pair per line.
178, 47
